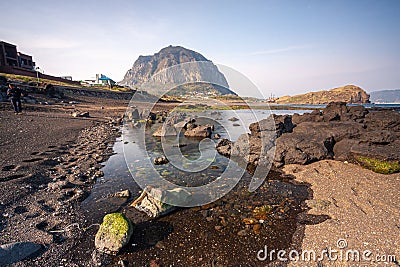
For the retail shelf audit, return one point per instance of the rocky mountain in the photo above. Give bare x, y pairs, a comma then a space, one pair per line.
386, 96
200, 69
348, 94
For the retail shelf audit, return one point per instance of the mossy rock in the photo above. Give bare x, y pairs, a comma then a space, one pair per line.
379, 166
114, 233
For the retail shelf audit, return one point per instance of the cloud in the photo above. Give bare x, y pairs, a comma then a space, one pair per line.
278, 50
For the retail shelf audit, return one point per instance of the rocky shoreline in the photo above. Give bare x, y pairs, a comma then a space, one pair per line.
340, 132
44, 181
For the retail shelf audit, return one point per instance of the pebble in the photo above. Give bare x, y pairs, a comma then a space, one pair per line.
209, 219
160, 245
257, 229
223, 221
242, 233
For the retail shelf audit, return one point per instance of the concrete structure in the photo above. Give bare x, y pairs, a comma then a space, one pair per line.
100, 80
9, 56
66, 78
14, 62
104, 80
25, 61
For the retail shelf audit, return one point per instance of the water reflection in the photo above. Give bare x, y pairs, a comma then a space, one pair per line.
117, 174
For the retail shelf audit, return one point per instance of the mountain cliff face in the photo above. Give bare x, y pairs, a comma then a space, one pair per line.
200, 69
349, 94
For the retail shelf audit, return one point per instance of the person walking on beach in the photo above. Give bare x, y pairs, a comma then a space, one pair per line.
15, 94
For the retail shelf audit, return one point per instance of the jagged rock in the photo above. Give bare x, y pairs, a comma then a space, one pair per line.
387, 120
15, 252
175, 117
160, 161
334, 111
224, 147
166, 129
179, 145
150, 115
278, 123
191, 125
283, 124
133, 115
211, 126
180, 125
199, 131
81, 114
153, 201
185, 124
233, 119
356, 113
314, 116
201, 69
248, 148
340, 132
114, 233
300, 149
389, 152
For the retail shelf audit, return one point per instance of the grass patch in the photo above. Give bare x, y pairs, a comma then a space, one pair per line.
33, 79
379, 166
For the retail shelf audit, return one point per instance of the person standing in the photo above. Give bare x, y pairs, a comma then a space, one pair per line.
15, 94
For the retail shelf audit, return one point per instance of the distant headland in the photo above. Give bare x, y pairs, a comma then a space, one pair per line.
349, 93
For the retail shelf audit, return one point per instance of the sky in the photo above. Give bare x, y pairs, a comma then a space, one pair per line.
283, 47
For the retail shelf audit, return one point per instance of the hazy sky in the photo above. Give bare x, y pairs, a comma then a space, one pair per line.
284, 47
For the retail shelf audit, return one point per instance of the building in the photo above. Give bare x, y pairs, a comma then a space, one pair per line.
104, 80
25, 61
14, 62
69, 78
9, 56
99, 80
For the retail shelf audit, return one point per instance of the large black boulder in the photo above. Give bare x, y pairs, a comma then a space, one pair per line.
339, 132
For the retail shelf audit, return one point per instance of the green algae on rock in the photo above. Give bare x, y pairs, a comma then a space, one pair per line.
114, 233
380, 166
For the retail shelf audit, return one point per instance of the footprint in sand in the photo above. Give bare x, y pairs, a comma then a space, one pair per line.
42, 225
45, 207
20, 210
11, 177
8, 168
32, 160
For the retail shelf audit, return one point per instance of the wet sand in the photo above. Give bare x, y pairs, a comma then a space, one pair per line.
49, 161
